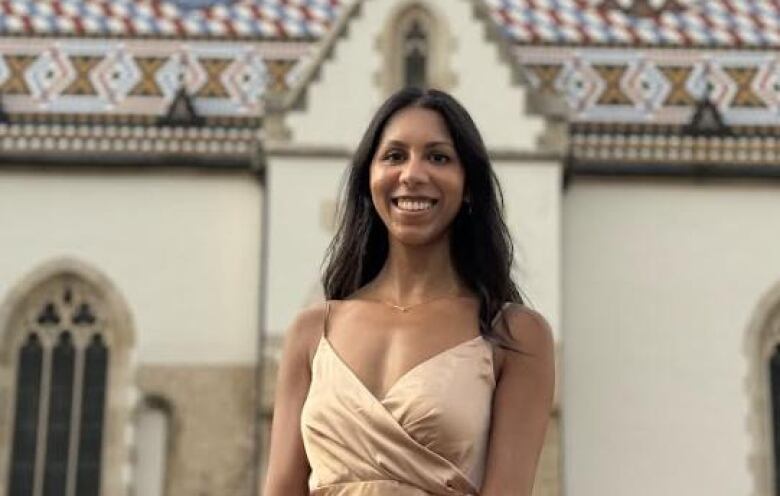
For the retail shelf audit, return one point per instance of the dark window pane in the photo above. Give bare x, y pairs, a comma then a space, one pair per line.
415, 56
28, 387
774, 369
60, 406
92, 410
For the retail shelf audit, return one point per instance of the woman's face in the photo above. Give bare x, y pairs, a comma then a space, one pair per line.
416, 178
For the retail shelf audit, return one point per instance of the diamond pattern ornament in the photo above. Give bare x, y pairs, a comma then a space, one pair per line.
116, 76
180, 71
49, 75
246, 80
698, 83
710, 82
645, 84
579, 84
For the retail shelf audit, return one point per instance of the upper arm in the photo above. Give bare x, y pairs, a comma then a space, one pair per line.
522, 404
288, 468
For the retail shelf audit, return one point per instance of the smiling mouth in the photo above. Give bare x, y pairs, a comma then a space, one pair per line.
414, 204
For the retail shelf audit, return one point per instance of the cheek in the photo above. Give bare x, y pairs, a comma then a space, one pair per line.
456, 186
377, 189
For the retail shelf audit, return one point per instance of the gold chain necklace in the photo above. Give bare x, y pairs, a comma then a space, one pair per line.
406, 308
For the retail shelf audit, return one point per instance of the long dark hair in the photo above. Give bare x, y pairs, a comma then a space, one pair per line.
480, 243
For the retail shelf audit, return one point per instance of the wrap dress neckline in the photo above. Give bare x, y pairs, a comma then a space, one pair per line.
427, 435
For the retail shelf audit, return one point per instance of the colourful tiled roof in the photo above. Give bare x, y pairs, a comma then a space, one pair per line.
684, 23
632, 61
707, 23
258, 19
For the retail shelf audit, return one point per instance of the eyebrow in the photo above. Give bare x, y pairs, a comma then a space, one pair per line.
430, 144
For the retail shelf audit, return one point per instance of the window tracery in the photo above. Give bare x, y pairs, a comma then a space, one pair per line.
59, 341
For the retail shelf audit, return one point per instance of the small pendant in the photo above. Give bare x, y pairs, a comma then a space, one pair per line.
402, 309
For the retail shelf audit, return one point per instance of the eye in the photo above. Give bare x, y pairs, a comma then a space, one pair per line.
393, 156
439, 158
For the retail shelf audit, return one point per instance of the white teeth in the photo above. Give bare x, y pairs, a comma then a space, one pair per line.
414, 205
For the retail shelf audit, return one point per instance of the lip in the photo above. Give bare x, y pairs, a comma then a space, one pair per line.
415, 197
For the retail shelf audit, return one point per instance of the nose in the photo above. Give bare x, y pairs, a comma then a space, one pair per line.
414, 171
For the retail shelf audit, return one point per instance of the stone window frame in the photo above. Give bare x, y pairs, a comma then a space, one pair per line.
117, 332
390, 43
762, 338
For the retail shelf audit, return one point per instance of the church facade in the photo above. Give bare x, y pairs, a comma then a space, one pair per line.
169, 176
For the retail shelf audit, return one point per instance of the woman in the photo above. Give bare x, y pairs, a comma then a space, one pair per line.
423, 373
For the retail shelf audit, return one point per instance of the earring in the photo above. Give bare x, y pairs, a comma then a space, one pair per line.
467, 204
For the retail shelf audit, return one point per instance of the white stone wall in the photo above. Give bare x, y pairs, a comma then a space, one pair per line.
532, 198
182, 248
302, 197
661, 281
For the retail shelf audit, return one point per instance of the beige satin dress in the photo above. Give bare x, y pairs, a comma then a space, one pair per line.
428, 435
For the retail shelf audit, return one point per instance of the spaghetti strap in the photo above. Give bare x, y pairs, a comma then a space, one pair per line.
325, 320
500, 313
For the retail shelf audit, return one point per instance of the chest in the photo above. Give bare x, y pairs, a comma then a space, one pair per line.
442, 402
381, 348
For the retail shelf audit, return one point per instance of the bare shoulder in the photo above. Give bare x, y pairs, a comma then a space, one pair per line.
528, 328
304, 333
528, 331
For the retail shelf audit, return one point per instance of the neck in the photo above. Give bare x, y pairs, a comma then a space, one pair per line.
415, 274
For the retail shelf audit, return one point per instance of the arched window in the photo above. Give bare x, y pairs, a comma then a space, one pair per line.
416, 47
60, 344
415, 54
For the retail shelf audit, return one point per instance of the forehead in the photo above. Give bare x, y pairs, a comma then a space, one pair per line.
416, 125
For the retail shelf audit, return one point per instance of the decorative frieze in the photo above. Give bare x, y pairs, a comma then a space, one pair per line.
658, 86
84, 76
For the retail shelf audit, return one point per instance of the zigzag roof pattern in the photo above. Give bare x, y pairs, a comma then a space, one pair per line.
257, 19
665, 23
684, 23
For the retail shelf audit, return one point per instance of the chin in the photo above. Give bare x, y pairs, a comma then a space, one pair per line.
415, 237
